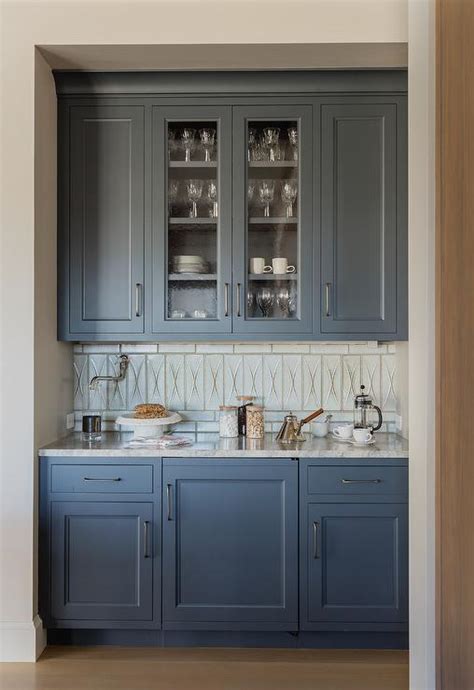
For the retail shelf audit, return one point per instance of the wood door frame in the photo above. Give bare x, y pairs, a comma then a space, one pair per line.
454, 335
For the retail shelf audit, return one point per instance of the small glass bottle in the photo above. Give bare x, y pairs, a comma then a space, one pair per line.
91, 427
255, 421
245, 401
228, 424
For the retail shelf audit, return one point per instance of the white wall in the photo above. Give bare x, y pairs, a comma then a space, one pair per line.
421, 355
25, 24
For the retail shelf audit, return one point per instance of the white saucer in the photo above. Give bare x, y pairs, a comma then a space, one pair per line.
352, 442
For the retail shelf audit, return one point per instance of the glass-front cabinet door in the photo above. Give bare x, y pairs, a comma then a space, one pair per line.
272, 238
191, 219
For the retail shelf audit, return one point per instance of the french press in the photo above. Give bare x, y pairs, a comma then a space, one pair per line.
362, 412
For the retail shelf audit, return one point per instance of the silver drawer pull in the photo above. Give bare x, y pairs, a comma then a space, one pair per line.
361, 481
138, 299
102, 479
316, 539
146, 552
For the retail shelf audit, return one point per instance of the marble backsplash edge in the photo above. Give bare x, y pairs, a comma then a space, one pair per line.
195, 378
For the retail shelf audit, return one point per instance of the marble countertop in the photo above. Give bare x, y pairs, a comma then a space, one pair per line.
113, 444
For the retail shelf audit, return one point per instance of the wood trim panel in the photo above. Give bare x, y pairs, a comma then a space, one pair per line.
455, 338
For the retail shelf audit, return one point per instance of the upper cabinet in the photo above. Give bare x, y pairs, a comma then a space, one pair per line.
102, 214
232, 207
272, 213
363, 220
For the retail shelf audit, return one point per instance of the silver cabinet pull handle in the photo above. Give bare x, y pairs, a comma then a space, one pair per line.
168, 501
238, 298
102, 479
316, 539
146, 552
138, 299
328, 288
226, 299
361, 481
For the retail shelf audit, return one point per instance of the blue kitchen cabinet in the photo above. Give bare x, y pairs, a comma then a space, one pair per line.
353, 546
230, 548
100, 544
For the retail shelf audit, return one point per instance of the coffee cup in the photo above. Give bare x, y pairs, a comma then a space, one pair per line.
257, 266
280, 266
362, 435
344, 431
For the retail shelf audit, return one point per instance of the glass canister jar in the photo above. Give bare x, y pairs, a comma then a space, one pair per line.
244, 402
255, 421
228, 421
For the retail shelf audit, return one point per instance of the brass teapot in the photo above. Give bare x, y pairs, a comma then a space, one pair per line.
290, 431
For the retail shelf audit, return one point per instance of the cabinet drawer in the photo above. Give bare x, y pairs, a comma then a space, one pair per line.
96, 478
357, 480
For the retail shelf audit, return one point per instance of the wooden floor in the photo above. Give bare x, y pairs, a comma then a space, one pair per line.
120, 668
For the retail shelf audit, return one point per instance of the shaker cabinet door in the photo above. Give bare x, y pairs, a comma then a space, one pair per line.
363, 219
102, 226
101, 562
230, 546
272, 211
354, 566
192, 222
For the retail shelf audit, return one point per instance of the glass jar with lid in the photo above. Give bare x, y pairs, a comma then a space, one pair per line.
228, 421
244, 402
255, 421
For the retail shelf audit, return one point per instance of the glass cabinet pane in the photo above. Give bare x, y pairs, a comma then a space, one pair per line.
193, 220
273, 225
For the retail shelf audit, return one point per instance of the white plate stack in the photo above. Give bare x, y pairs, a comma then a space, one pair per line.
189, 264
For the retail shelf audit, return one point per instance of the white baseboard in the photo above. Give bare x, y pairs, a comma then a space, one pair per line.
22, 640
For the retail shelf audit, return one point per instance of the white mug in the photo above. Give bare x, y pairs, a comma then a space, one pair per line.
280, 265
362, 435
320, 429
257, 266
344, 431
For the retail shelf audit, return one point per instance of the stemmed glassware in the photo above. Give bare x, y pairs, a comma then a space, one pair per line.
271, 136
289, 192
265, 300
208, 137
187, 137
211, 196
293, 139
266, 190
252, 143
194, 190
173, 189
171, 141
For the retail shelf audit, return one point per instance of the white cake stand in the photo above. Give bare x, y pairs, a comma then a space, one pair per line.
148, 428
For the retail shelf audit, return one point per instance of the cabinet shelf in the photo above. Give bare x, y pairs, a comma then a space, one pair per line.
272, 276
273, 165
277, 220
193, 164
192, 221
192, 276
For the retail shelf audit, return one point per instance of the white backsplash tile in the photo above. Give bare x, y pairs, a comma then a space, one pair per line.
194, 382
332, 382
213, 381
198, 378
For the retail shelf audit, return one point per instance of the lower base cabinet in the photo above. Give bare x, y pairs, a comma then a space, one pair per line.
230, 545
233, 546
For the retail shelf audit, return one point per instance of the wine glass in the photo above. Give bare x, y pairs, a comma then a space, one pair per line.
293, 139
252, 143
171, 141
271, 136
265, 300
173, 189
283, 301
194, 189
289, 192
211, 196
187, 137
266, 190
208, 136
